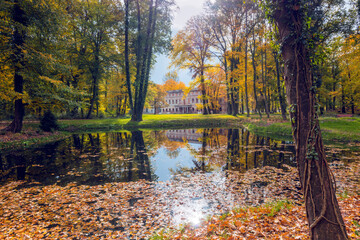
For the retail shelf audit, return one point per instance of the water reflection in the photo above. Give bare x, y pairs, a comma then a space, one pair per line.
190, 165
150, 155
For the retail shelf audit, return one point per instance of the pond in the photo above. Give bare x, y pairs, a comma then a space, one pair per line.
151, 155
186, 170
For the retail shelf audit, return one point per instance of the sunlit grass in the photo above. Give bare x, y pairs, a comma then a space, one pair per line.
152, 122
332, 129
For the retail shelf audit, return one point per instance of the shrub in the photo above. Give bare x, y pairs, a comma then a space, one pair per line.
48, 122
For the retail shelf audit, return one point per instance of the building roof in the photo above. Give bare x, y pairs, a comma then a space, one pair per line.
179, 91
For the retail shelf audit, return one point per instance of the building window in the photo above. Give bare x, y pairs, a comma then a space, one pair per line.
197, 100
192, 100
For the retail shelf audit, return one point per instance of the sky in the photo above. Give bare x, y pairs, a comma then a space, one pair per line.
186, 9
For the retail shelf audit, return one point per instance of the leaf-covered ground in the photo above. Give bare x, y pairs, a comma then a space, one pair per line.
139, 210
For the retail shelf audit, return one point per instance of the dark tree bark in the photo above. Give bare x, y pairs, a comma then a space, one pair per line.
18, 42
203, 93
234, 105
343, 104
246, 90
141, 158
281, 99
253, 51
322, 209
127, 61
144, 57
95, 73
263, 76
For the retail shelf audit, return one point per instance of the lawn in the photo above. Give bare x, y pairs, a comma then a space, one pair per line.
165, 121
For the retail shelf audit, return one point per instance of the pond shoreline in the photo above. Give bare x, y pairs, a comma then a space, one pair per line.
332, 128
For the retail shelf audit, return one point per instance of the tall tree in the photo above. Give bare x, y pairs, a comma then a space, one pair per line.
103, 17
152, 32
31, 30
19, 22
293, 18
191, 50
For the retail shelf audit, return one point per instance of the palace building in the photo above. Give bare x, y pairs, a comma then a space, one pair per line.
177, 102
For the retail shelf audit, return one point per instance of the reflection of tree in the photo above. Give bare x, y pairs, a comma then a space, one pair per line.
141, 159
211, 151
96, 167
233, 149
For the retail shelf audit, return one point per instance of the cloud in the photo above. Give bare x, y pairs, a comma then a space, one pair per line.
187, 9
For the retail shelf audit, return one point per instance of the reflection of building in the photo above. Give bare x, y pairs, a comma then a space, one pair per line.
190, 135
179, 103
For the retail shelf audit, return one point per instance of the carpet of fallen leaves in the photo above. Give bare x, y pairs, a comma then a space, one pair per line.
139, 210
280, 220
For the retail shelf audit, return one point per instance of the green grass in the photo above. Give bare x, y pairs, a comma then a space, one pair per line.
166, 121
333, 129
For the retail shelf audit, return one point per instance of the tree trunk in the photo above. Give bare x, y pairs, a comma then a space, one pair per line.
139, 53
18, 42
144, 55
323, 213
343, 107
263, 76
281, 100
203, 93
257, 107
95, 73
334, 98
228, 102
127, 61
246, 90
149, 54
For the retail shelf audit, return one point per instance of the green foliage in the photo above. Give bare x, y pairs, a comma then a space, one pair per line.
278, 206
48, 122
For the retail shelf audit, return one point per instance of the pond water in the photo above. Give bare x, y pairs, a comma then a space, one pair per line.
188, 166
151, 155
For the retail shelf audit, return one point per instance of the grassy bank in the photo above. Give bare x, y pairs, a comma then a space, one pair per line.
333, 129
168, 121
28, 138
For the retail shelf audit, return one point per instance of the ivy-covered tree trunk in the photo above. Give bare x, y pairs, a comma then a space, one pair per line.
18, 41
322, 209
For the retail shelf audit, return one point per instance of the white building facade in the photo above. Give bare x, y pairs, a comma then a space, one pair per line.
177, 103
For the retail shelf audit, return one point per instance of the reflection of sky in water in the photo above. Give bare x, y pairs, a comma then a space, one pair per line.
162, 163
192, 201
189, 202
